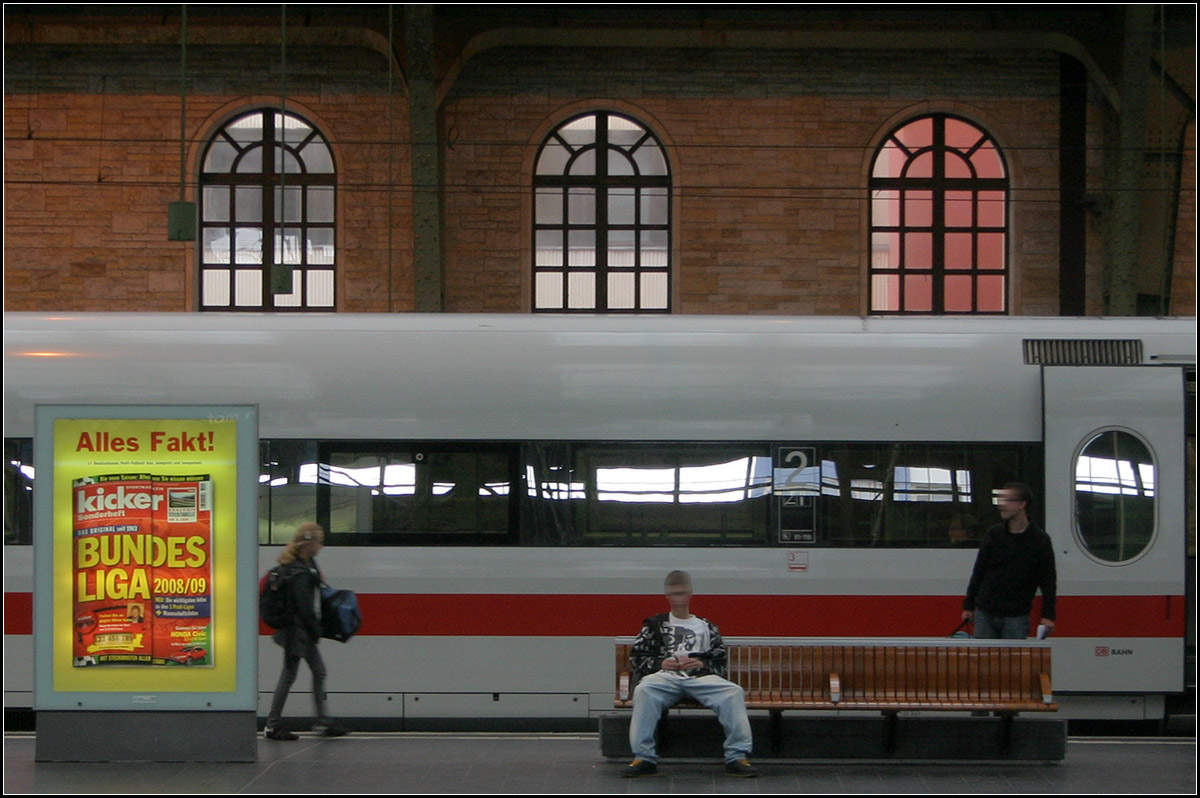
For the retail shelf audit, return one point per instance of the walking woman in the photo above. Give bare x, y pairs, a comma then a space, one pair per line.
299, 637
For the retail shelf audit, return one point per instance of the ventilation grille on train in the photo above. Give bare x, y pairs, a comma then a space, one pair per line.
1049, 352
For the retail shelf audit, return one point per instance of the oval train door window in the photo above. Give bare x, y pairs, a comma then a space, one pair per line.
1115, 496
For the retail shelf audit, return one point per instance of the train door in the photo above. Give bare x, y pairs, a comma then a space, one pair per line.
1115, 508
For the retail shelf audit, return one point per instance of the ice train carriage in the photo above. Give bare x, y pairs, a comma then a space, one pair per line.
506, 492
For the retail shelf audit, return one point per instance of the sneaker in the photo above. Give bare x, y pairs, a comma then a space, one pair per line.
275, 733
329, 730
638, 767
740, 768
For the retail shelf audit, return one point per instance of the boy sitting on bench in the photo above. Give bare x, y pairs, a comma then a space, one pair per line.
679, 655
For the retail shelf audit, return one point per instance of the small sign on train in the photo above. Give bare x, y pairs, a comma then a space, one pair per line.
797, 560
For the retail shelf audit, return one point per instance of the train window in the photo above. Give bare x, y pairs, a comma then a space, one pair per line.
601, 229
267, 224
1115, 483
901, 494
670, 494
287, 488
18, 491
577, 493
415, 494
939, 192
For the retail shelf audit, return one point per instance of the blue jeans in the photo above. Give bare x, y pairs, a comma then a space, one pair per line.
1000, 627
291, 666
657, 692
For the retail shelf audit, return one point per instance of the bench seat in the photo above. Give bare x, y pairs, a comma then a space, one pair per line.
889, 676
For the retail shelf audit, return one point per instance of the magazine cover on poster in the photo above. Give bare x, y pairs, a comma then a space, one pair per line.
142, 557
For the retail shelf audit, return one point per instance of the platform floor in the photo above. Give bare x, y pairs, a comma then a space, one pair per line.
571, 763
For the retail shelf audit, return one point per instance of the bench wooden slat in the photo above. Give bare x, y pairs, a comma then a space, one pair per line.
885, 677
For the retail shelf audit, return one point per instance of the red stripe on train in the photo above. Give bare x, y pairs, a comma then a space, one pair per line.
18, 613
558, 615
746, 616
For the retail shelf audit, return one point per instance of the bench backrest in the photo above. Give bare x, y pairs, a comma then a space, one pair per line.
828, 672
942, 673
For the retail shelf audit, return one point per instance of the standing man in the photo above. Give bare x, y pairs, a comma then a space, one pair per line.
678, 654
1015, 559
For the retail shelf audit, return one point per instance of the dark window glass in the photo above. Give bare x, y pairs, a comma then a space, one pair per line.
901, 494
671, 494
939, 193
561, 493
416, 493
287, 489
1115, 496
18, 491
267, 224
601, 223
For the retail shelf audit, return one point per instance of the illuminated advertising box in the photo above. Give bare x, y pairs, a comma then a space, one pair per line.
143, 576
146, 557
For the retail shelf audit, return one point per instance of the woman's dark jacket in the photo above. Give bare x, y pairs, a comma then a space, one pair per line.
302, 580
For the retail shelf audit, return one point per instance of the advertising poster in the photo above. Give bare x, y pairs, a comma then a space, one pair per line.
142, 570
145, 571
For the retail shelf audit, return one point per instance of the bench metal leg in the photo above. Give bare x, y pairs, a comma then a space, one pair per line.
776, 731
662, 734
1006, 727
891, 720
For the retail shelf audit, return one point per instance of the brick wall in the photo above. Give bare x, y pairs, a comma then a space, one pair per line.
770, 152
92, 161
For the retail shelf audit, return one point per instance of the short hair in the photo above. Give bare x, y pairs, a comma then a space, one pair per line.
1023, 491
677, 578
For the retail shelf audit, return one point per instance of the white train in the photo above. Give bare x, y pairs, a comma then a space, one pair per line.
505, 493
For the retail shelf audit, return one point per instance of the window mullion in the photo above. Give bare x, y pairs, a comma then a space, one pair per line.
938, 255
566, 263
637, 248
269, 221
601, 212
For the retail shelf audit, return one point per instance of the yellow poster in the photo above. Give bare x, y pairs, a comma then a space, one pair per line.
145, 560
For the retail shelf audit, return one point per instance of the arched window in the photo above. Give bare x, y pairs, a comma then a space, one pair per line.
267, 223
939, 220
602, 218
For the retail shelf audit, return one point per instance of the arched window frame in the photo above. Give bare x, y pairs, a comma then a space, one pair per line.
939, 220
267, 249
602, 227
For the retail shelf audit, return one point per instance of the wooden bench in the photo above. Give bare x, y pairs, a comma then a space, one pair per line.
858, 676
886, 675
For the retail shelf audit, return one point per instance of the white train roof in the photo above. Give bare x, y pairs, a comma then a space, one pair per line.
548, 377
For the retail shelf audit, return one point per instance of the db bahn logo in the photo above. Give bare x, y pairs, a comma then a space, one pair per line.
1105, 651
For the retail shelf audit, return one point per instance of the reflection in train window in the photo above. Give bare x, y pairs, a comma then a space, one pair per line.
1115, 496
911, 494
18, 491
414, 495
674, 493
666, 493
287, 488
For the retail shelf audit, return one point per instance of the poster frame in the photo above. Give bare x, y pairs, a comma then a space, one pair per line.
244, 693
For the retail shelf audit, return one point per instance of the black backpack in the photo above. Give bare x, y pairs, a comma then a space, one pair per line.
274, 604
